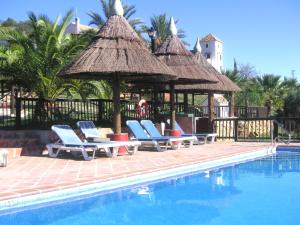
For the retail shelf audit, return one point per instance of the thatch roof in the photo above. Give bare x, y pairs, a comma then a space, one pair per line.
224, 84
181, 61
117, 49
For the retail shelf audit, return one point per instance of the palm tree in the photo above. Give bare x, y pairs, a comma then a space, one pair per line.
272, 89
39, 56
108, 10
160, 24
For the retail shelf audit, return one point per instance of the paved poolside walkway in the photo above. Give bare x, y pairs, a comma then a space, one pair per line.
32, 175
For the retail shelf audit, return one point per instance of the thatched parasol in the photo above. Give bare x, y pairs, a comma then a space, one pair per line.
117, 53
224, 85
181, 61
178, 58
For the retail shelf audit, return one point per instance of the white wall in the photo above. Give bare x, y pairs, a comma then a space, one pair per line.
215, 49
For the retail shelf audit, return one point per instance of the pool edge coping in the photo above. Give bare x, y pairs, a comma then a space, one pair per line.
105, 186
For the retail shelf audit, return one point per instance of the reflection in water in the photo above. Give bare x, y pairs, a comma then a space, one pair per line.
222, 196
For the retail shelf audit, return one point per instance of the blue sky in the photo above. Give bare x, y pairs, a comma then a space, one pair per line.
263, 33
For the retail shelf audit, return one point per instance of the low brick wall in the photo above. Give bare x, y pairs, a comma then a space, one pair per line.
31, 142
25, 142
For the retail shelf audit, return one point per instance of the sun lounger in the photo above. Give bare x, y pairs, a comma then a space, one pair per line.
90, 132
69, 141
3, 157
202, 137
92, 135
141, 135
154, 133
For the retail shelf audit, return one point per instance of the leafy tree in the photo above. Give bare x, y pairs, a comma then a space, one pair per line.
9, 22
23, 26
247, 71
291, 105
160, 23
108, 10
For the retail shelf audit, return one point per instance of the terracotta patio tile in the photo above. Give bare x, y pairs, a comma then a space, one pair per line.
30, 175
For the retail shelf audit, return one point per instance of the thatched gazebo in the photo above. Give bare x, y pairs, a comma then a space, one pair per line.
183, 63
117, 53
224, 85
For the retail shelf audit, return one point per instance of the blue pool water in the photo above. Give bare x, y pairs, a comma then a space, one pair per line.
261, 192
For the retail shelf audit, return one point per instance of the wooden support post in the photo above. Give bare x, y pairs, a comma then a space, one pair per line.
236, 132
186, 102
117, 108
231, 105
172, 106
155, 104
211, 111
193, 99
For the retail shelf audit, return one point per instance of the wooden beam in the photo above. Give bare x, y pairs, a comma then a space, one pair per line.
117, 108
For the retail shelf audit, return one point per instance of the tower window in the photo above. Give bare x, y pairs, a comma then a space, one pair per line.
220, 57
208, 55
206, 45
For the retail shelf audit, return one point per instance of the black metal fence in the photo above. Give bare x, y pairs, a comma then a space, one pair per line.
31, 113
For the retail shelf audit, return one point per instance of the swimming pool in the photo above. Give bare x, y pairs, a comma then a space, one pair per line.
264, 191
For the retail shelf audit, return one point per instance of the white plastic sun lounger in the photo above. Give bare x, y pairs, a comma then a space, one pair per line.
69, 141
92, 135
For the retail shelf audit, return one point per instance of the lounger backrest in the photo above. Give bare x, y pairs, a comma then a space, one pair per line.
66, 135
136, 129
150, 128
177, 126
88, 128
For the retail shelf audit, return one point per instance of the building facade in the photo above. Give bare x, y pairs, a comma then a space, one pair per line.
212, 50
77, 28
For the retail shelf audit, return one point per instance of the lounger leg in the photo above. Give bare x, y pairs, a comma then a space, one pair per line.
175, 146
51, 152
158, 148
85, 155
190, 143
134, 149
109, 153
115, 151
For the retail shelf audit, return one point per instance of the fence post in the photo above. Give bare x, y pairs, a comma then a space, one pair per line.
275, 130
18, 113
100, 110
236, 122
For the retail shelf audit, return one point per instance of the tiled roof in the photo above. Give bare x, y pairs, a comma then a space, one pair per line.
210, 37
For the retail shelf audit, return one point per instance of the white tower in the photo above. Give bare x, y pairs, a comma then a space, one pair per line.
212, 50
